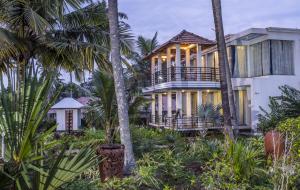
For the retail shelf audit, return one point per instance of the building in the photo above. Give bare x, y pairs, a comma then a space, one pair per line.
68, 114
185, 74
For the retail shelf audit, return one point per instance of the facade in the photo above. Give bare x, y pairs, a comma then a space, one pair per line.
185, 75
67, 114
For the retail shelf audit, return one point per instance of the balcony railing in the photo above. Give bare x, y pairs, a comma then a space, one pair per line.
186, 74
183, 123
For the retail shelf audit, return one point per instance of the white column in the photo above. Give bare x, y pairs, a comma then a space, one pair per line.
187, 58
199, 55
169, 104
179, 101
199, 97
188, 96
153, 108
169, 64
159, 62
152, 70
178, 62
160, 107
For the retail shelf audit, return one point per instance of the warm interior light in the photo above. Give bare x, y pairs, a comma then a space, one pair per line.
182, 90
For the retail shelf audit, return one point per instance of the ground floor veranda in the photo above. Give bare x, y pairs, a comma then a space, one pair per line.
178, 109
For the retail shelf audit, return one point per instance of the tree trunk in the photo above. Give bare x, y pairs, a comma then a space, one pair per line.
129, 161
226, 87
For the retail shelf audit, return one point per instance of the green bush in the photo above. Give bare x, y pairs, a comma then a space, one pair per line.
240, 166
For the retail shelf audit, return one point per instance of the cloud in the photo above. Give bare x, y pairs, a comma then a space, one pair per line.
169, 17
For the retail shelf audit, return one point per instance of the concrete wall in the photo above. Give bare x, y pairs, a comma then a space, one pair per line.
60, 119
261, 88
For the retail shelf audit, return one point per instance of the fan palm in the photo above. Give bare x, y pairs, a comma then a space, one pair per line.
30, 162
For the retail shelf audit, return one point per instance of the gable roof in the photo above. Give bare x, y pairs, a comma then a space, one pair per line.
184, 37
67, 103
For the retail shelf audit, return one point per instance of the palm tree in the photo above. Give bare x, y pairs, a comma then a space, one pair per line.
226, 87
48, 32
145, 45
119, 85
103, 107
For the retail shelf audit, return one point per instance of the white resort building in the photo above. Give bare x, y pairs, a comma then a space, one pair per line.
185, 74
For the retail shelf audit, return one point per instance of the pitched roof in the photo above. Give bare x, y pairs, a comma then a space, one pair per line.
184, 37
67, 103
84, 100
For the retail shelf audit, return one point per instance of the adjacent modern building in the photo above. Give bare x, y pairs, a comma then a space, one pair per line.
185, 74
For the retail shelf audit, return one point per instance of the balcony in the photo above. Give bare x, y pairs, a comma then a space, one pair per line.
184, 123
184, 78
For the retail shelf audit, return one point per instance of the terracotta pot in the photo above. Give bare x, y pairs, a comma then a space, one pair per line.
274, 144
112, 161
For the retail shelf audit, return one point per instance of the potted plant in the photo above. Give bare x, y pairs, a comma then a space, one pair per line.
274, 144
102, 112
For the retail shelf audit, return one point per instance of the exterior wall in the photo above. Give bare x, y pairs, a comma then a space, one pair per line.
261, 88
60, 119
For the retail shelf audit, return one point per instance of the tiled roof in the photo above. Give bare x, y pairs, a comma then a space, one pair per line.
184, 37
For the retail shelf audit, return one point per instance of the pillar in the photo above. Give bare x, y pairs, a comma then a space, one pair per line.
169, 64
169, 97
187, 58
199, 97
179, 101
159, 62
199, 55
152, 70
160, 107
153, 109
178, 63
188, 96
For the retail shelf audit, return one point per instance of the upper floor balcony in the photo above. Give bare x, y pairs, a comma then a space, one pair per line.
184, 78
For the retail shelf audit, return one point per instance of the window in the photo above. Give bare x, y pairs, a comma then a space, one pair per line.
240, 62
272, 57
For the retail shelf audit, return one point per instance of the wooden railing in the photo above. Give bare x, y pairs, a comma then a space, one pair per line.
186, 74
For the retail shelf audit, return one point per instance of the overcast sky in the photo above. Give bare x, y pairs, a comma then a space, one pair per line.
169, 17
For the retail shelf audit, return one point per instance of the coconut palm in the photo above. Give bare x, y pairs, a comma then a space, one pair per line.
129, 161
48, 32
210, 114
33, 160
225, 78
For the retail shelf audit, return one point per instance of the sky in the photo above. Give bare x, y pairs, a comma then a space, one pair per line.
169, 17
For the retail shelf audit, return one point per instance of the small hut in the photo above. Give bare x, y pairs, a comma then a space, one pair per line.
68, 114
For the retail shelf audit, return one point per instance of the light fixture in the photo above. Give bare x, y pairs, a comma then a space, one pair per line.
182, 90
207, 91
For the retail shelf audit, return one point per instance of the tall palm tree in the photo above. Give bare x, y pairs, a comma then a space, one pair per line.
119, 85
146, 45
226, 86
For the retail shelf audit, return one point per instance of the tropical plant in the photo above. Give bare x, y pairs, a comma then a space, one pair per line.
32, 160
210, 114
58, 33
129, 160
225, 76
287, 105
238, 167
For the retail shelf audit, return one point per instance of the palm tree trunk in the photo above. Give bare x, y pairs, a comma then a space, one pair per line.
225, 77
129, 162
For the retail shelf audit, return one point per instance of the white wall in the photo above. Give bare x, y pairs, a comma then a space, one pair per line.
261, 88
60, 119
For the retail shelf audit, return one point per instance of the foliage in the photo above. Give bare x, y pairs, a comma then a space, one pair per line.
209, 113
281, 107
102, 112
238, 167
24, 104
